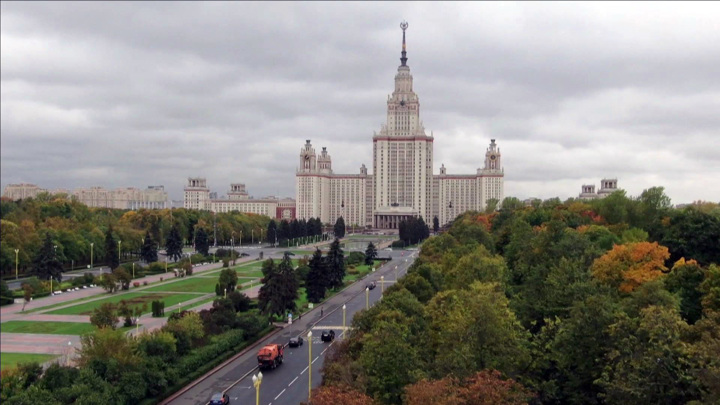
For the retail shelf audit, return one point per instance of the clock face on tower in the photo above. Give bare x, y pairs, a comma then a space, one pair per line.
307, 157
492, 157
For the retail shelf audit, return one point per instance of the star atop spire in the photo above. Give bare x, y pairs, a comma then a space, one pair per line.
403, 58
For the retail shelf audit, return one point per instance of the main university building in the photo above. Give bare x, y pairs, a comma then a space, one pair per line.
402, 183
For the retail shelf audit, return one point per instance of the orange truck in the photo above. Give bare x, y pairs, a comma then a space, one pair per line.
270, 356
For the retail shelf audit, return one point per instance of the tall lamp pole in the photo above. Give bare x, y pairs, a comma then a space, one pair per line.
119, 248
344, 318
91, 254
16, 263
257, 380
309, 364
367, 298
382, 284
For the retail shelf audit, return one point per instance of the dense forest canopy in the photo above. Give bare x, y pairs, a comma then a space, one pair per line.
609, 301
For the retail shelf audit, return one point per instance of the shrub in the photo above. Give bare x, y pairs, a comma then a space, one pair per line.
5, 294
226, 263
136, 284
353, 270
154, 268
398, 244
355, 258
145, 283
158, 308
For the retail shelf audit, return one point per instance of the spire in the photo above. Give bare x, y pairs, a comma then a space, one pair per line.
403, 58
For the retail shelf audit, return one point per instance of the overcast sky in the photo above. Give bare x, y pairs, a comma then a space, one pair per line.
136, 94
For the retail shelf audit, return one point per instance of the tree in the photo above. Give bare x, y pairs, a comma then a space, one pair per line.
240, 301
648, 362
174, 244
202, 243
111, 249
108, 282
684, 280
106, 345
335, 265
486, 387
370, 254
339, 228
27, 294
333, 395
280, 289
436, 224
228, 280
123, 277
149, 249
317, 282
105, 316
271, 236
627, 266
46, 264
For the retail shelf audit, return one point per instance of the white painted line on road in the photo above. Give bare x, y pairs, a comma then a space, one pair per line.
291, 382
301, 373
323, 352
281, 392
315, 359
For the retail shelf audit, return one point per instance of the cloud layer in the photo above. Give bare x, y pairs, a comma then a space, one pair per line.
137, 94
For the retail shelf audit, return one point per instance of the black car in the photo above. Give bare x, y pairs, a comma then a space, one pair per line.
295, 341
220, 399
371, 285
327, 336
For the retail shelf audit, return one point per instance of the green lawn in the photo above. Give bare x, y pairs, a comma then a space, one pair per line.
11, 360
191, 284
53, 328
137, 298
191, 306
362, 271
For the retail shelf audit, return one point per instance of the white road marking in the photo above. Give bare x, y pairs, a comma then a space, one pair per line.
323, 352
291, 382
281, 392
303, 371
315, 359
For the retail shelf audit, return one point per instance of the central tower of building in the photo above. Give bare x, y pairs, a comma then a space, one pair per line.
402, 155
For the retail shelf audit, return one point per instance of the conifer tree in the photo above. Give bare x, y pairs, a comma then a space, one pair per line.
370, 254
202, 243
173, 245
339, 228
317, 278
46, 263
111, 250
149, 249
336, 265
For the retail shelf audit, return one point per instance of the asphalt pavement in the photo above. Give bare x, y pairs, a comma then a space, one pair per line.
288, 384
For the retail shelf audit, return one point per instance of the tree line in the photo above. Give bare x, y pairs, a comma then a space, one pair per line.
79, 231
614, 301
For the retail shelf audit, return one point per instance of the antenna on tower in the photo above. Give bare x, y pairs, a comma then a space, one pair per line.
403, 58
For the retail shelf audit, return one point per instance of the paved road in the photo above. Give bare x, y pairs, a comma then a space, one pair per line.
288, 384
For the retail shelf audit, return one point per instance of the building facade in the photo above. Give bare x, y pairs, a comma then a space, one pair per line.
125, 198
197, 196
607, 187
402, 183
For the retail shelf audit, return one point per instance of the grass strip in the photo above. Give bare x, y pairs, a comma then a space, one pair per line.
133, 299
11, 360
50, 328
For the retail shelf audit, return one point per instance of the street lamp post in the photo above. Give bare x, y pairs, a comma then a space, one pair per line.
344, 318
16, 263
382, 284
367, 298
133, 269
252, 236
395, 273
119, 249
91, 254
309, 364
52, 292
257, 380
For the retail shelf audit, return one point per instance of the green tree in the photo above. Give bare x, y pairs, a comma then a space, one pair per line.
123, 277
335, 265
174, 244
46, 264
228, 280
105, 316
149, 249
370, 254
648, 362
108, 282
684, 280
280, 289
202, 243
339, 228
317, 280
271, 236
111, 249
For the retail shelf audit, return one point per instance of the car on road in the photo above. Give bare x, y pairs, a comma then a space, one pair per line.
295, 341
327, 336
371, 285
220, 399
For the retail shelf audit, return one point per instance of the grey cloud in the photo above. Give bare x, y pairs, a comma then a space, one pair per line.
132, 94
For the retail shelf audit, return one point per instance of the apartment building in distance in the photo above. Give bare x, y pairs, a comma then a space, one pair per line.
197, 196
125, 198
607, 187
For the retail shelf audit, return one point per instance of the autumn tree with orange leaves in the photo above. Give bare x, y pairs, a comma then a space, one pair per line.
484, 388
335, 395
628, 266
